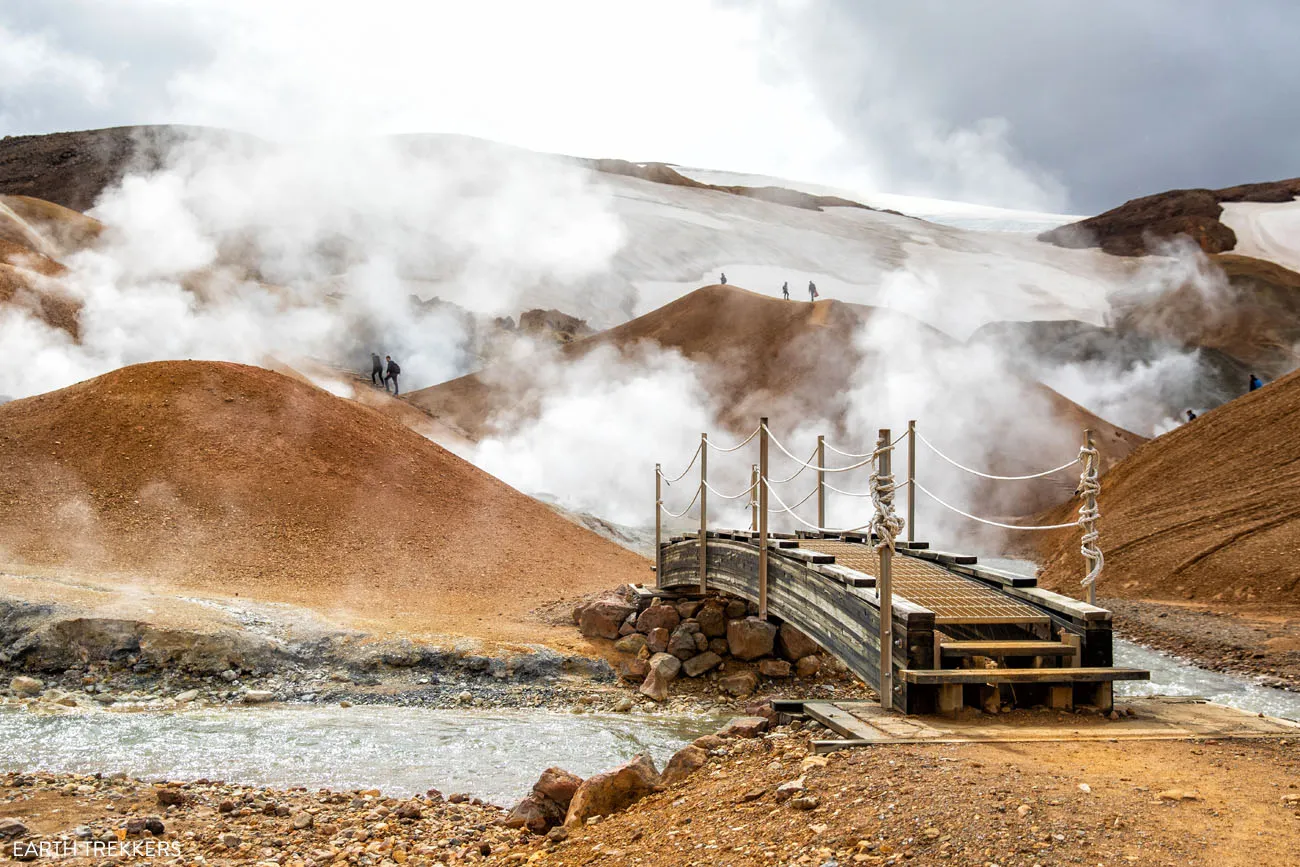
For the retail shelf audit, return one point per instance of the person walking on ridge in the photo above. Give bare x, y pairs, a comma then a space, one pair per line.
393, 370
812, 291
376, 369
785, 290
1254, 382
1191, 416
723, 281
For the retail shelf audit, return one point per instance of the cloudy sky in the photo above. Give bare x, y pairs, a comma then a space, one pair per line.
1044, 104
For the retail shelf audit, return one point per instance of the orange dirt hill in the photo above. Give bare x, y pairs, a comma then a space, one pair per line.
1208, 512
233, 480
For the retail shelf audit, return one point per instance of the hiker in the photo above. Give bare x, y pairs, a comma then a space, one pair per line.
393, 371
1254, 382
724, 278
812, 291
1191, 416
785, 290
376, 369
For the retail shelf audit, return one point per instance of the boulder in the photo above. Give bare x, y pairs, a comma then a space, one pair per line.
633, 670
684, 762
712, 619
697, 665
11, 829
537, 813
718, 645
26, 685
657, 640
612, 791
257, 696
681, 644
630, 643
170, 797
808, 666
744, 727
750, 638
627, 628
689, 607
736, 609
762, 708
741, 683
774, 668
708, 742
558, 785
701, 642
663, 669
658, 617
602, 618
794, 644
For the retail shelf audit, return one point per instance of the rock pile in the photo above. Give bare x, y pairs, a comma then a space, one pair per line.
713, 636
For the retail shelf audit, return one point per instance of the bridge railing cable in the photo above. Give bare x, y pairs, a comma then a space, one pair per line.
665, 510
739, 445
990, 476
811, 466
695, 457
745, 493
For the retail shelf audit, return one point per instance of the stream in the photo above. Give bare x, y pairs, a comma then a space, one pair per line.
495, 755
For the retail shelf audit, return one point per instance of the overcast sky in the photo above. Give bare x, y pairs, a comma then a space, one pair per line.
1059, 106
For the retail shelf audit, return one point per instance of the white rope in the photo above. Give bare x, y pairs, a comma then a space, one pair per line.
1089, 488
678, 477
831, 487
796, 475
995, 478
718, 493
738, 445
688, 505
849, 454
886, 523
922, 488
805, 523
809, 466
806, 498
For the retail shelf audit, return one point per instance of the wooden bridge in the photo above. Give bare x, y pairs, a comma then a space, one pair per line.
957, 633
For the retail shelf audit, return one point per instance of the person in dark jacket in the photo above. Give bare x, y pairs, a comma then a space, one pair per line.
723, 281
785, 290
812, 291
1254, 382
393, 370
376, 369
1191, 416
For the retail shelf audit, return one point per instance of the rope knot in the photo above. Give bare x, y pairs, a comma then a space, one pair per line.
1089, 513
885, 525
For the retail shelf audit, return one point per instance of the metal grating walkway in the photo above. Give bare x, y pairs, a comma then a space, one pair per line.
953, 598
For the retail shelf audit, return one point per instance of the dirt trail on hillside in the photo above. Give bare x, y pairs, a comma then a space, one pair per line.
234, 480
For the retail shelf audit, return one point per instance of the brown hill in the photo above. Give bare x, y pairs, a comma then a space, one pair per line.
1131, 228
1208, 511
792, 361
1256, 323
234, 480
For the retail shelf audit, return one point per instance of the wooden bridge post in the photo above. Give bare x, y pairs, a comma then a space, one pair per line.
884, 589
659, 525
762, 517
821, 482
704, 512
911, 481
1091, 502
753, 498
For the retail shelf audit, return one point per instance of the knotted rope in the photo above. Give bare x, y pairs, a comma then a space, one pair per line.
885, 524
1089, 488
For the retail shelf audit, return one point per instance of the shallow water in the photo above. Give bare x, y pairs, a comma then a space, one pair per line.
496, 755
1172, 676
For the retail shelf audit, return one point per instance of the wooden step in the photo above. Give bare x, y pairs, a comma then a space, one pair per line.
1007, 648
1020, 675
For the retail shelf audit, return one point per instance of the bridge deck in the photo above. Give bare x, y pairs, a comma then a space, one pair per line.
953, 598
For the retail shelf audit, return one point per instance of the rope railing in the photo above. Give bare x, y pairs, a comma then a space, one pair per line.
744, 493
665, 510
809, 466
982, 475
695, 457
885, 525
739, 445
